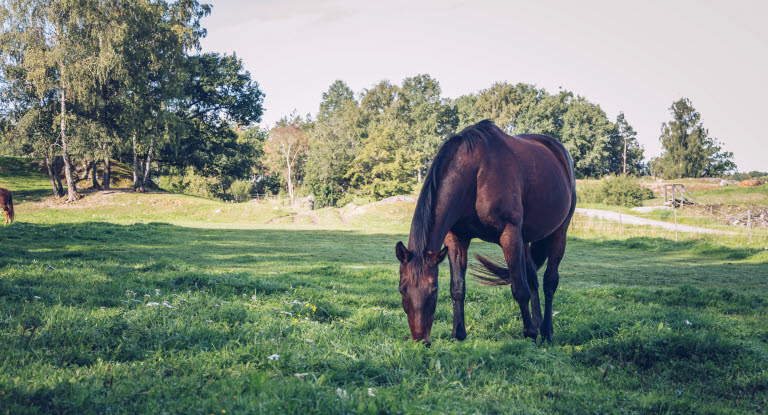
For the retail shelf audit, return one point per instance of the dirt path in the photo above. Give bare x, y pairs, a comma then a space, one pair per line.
634, 220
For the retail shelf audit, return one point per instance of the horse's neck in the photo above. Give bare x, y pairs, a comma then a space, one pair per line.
447, 207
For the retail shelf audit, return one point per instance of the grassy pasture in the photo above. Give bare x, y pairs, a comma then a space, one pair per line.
111, 306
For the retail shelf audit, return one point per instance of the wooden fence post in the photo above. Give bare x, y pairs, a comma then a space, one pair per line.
621, 224
749, 224
675, 210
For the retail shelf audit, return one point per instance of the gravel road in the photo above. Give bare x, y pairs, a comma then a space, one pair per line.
634, 220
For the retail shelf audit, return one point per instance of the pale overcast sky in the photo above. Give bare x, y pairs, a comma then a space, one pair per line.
637, 57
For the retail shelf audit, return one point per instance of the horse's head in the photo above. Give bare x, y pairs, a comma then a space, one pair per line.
418, 286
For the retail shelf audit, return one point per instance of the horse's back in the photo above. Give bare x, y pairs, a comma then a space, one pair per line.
528, 178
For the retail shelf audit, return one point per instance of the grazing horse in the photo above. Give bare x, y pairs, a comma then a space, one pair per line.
518, 192
7, 202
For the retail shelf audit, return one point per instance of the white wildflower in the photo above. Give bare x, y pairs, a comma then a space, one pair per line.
274, 357
300, 375
554, 313
342, 393
165, 303
370, 392
687, 322
152, 304
309, 340
36, 297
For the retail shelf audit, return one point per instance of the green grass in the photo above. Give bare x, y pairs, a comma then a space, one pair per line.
643, 325
734, 195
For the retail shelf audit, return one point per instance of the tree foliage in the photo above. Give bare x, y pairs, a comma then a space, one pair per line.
283, 151
89, 81
688, 150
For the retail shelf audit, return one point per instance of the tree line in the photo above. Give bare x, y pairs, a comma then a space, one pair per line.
379, 142
86, 82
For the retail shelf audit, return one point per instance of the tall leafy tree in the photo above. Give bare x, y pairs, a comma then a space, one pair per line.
46, 38
334, 141
283, 150
585, 131
688, 150
625, 153
430, 118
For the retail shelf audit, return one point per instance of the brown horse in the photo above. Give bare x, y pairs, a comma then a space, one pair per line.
7, 202
518, 192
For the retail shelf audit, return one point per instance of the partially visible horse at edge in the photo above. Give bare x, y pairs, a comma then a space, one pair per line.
7, 203
518, 192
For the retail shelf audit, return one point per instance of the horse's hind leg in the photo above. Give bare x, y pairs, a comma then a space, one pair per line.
555, 252
533, 286
511, 242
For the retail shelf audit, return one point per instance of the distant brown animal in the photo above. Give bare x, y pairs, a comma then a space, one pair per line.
7, 202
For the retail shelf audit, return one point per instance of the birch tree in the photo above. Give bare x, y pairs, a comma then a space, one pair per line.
286, 144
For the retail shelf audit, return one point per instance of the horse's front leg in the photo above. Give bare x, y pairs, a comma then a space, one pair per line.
511, 242
457, 257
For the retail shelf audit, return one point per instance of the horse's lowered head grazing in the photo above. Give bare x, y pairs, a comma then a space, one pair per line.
418, 286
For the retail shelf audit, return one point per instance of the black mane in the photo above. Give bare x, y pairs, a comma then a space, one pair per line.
422, 217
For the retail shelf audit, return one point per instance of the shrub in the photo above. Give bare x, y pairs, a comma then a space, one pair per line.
590, 193
624, 191
241, 190
614, 190
191, 183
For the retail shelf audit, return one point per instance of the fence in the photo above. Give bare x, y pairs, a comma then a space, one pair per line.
672, 227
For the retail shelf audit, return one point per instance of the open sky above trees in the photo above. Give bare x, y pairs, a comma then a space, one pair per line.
623, 56
86, 83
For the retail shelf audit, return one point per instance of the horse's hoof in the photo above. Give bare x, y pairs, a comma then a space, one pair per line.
461, 335
531, 333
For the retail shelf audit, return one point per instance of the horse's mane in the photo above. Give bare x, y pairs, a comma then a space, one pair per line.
422, 216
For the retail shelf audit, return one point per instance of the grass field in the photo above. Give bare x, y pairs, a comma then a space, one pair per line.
157, 303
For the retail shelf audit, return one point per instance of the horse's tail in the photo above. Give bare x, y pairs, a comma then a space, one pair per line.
491, 273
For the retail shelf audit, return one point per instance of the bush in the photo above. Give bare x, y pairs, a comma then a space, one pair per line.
624, 191
590, 193
191, 183
241, 190
615, 190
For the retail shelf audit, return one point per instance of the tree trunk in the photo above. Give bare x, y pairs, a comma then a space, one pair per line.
71, 190
51, 175
57, 166
625, 157
290, 182
418, 176
135, 164
147, 164
105, 181
95, 181
86, 169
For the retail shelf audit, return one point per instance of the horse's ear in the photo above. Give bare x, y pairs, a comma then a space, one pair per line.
437, 257
402, 253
